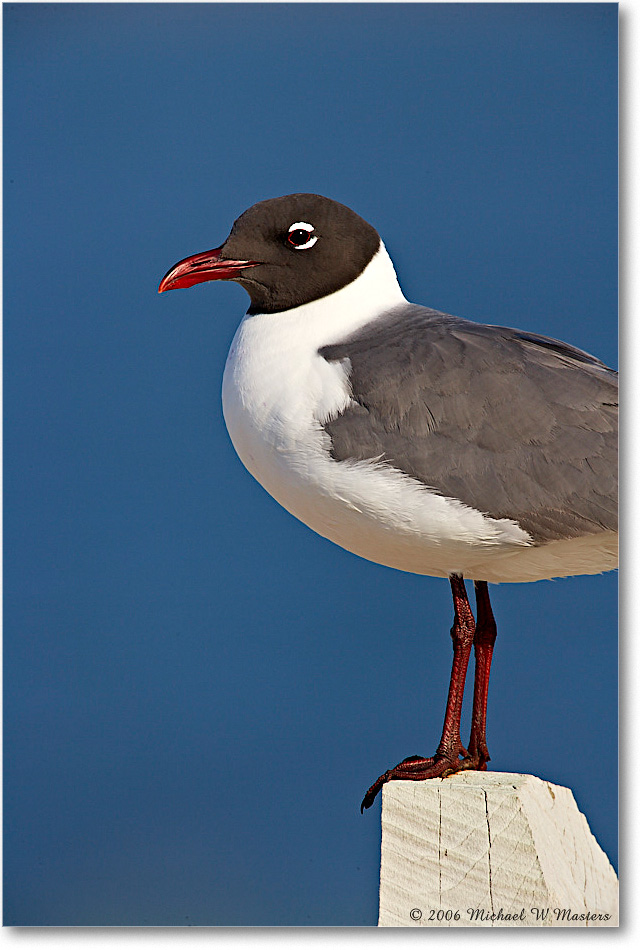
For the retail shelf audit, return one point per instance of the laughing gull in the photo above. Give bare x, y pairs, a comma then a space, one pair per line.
411, 437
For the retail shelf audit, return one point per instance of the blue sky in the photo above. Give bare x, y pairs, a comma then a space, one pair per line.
198, 689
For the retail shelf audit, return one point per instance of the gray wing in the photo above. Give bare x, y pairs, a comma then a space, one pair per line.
513, 424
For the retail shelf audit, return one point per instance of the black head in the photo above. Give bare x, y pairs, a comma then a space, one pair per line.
286, 252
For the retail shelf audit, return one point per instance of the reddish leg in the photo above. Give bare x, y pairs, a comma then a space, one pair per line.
446, 759
484, 641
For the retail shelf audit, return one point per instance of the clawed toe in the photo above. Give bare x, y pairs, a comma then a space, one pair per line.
415, 768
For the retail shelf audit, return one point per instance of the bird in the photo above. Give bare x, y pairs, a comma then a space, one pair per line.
413, 438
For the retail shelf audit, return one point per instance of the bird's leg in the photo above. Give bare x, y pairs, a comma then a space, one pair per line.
463, 634
484, 641
446, 759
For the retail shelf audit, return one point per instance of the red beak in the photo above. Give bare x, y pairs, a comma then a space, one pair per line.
206, 266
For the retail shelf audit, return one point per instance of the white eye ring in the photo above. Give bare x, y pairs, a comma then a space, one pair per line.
303, 226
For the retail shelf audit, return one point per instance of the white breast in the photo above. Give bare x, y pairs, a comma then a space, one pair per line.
277, 393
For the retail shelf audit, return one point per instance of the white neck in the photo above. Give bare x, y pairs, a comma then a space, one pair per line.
275, 380
331, 318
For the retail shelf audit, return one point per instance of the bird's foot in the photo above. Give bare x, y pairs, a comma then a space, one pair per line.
416, 769
476, 756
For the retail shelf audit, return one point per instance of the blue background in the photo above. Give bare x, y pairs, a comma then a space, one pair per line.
198, 689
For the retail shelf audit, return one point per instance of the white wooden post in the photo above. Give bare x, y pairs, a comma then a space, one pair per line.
491, 849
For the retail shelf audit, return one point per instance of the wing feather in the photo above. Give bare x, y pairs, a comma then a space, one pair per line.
511, 423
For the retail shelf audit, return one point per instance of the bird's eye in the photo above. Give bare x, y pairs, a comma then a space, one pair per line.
301, 236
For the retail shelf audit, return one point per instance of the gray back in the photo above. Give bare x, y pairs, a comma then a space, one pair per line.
513, 424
